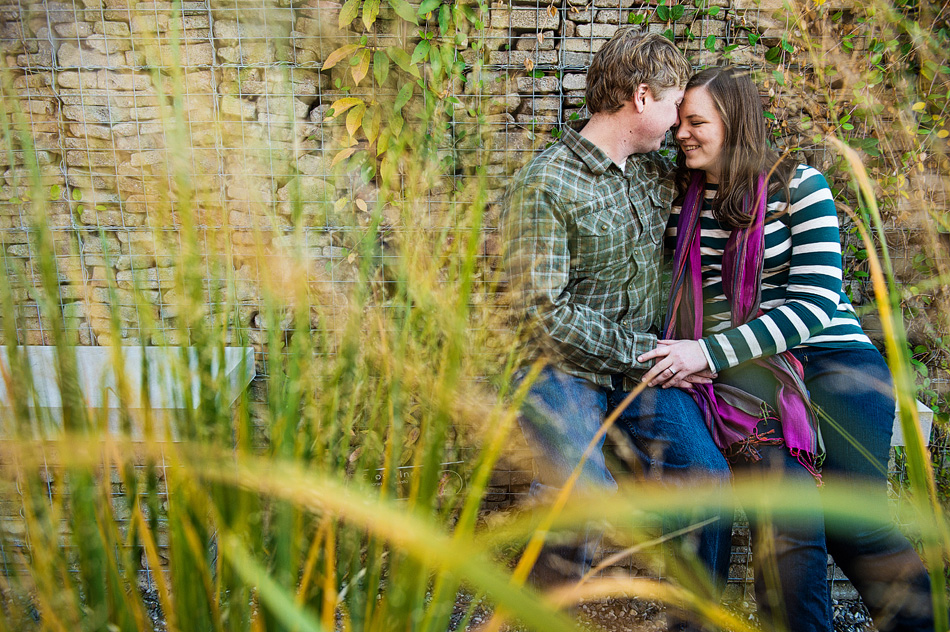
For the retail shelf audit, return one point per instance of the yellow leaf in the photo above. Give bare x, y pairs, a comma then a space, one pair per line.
343, 155
342, 105
361, 204
943, 133
354, 119
919, 106
540, 37
552, 11
334, 58
528, 64
371, 124
361, 68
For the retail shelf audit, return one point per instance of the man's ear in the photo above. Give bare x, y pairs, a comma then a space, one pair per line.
640, 96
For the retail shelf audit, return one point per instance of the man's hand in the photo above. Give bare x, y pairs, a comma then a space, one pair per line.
679, 363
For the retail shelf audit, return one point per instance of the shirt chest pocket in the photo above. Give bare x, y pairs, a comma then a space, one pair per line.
603, 238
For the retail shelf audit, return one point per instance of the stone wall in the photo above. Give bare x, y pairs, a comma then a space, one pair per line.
98, 92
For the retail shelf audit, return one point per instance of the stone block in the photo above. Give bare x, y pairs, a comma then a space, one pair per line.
70, 55
583, 45
238, 108
532, 42
107, 45
575, 82
192, 54
130, 81
233, 30
73, 30
518, 57
77, 79
523, 19
112, 29
140, 142
614, 4
150, 279
605, 31
248, 53
534, 85
579, 16
94, 159
314, 165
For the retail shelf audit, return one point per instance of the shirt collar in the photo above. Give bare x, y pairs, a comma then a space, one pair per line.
594, 157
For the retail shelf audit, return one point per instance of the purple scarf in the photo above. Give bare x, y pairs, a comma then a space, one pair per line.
731, 414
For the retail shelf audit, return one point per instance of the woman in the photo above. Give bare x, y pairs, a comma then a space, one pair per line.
757, 298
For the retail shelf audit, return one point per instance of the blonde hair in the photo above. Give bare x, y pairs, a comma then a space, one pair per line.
630, 58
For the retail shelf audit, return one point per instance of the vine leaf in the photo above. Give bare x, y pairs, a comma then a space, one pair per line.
402, 60
361, 68
348, 13
342, 105
343, 51
404, 10
343, 155
380, 67
427, 6
354, 119
405, 93
371, 123
421, 52
370, 11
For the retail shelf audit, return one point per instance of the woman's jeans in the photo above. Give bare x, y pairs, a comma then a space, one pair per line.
561, 415
853, 387
788, 551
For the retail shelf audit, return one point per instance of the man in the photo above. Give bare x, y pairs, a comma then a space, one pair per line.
583, 224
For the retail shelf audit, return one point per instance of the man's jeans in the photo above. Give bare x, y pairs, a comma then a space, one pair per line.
561, 415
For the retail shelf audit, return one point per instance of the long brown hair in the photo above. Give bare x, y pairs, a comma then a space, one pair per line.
746, 152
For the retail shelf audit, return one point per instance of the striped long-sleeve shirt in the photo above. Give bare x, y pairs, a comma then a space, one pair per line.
802, 297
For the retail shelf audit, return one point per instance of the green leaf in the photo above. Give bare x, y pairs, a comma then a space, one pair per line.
779, 77
774, 54
370, 11
676, 12
754, 39
54, 192
380, 67
401, 58
713, 11
428, 5
635, 18
404, 10
663, 12
421, 52
405, 93
348, 12
77, 194
445, 17
710, 43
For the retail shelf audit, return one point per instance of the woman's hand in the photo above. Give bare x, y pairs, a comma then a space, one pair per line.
680, 363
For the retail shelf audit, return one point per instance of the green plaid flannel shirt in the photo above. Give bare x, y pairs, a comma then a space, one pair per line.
583, 256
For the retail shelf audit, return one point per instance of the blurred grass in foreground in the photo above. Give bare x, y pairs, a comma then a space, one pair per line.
327, 507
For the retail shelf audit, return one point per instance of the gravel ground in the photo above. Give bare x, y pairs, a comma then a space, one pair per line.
615, 615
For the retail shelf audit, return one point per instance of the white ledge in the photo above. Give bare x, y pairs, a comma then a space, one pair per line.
168, 369
925, 417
